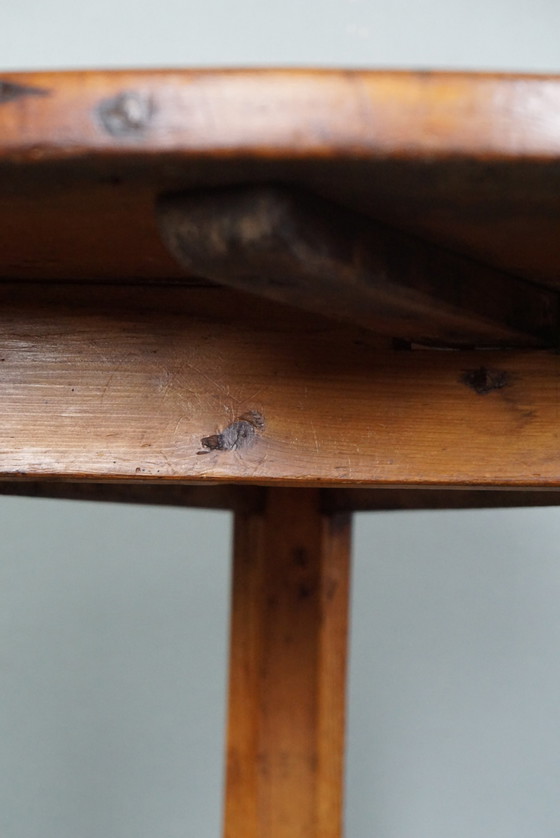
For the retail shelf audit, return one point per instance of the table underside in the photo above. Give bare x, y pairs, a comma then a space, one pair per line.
123, 363
293, 294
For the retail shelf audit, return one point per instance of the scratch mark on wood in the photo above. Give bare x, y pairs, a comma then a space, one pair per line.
258, 392
9, 91
260, 465
242, 433
177, 424
114, 371
212, 381
314, 432
484, 380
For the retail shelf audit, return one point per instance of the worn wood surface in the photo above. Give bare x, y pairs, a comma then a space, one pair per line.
288, 663
292, 247
468, 160
199, 385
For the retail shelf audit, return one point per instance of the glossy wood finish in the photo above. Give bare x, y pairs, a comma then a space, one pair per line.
182, 385
467, 160
120, 112
288, 665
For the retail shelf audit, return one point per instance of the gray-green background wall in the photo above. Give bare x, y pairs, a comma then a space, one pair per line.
114, 619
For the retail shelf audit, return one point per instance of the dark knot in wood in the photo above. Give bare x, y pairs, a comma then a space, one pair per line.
238, 435
126, 115
9, 91
484, 380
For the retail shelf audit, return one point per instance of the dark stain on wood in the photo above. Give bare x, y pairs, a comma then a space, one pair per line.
484, 380
126, 115
9, 91
239, 435
301, 558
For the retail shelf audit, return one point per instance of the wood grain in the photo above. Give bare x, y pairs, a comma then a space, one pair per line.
113, 383
58, 115
468, 160
291, 247
288, 668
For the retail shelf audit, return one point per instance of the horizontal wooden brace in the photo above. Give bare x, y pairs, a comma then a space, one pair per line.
248, 499
204, 385
295, 248
393, 500
221, 496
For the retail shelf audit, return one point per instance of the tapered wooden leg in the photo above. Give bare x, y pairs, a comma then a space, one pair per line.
288, 670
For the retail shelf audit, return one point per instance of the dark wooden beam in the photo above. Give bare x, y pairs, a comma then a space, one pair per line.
389, 500
229, 497
293, 247
241, 499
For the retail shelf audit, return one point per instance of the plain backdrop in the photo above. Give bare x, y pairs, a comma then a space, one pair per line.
114, 619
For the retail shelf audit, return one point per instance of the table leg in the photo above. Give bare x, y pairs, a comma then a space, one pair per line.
285, 749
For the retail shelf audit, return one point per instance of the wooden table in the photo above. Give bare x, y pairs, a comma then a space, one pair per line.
293, 295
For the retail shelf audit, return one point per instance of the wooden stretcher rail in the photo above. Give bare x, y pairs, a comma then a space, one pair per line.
295, 248
204, 385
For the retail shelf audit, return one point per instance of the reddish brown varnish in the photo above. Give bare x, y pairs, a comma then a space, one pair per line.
128, 382
287, 670
117, 383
